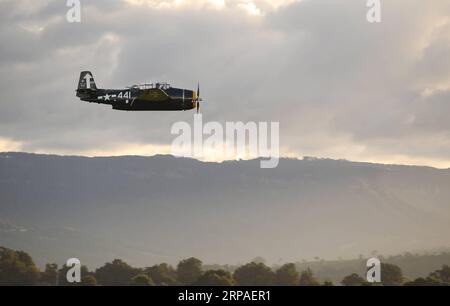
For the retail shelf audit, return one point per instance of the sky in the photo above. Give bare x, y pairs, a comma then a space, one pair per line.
339, 86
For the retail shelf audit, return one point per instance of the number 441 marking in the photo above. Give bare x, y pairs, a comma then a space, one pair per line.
124, 95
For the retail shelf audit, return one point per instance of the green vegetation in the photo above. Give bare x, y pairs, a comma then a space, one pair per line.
287, 275
392, 275
353, 280
116, 273
254, 274
307, 278
189, 271
215, 278
142, 280
437, 278
162, 274
18, 268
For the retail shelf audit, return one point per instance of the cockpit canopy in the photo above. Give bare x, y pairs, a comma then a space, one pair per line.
152, 86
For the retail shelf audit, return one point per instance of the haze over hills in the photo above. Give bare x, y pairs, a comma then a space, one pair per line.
148, 210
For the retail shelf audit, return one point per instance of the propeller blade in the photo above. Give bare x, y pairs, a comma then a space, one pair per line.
198, 97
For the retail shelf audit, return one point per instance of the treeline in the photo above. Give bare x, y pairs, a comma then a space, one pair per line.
18, 268
413, 265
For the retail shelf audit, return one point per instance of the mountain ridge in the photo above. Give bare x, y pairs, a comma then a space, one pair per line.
304, 158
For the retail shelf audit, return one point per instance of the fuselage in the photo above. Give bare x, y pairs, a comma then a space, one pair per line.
142, 99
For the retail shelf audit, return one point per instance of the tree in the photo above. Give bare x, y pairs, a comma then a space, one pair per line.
215, 278
259, 259
142, 280
189, 271
254, 274
442, 275
116, 273
423, 282
391, 275
353, 280
307, 278
162, 274
49, 276
88, 281
17, 268
287, 275
437, 278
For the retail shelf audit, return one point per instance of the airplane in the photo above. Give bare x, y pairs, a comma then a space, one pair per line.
144, 97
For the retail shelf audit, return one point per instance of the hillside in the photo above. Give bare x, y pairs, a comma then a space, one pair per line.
153, 209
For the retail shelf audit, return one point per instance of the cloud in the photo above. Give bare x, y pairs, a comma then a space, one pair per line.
9, 145
339, 86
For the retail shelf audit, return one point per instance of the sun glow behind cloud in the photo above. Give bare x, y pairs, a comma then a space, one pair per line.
356, 153
251, 7
8, 145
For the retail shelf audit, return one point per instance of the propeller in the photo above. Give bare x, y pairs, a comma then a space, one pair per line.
198, 100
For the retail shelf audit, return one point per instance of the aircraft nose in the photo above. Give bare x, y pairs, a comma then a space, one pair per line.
194, 99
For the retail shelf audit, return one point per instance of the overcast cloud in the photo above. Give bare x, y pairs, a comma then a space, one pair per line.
340, 86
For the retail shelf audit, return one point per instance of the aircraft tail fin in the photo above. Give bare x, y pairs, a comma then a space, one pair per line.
86, 81
87, 89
